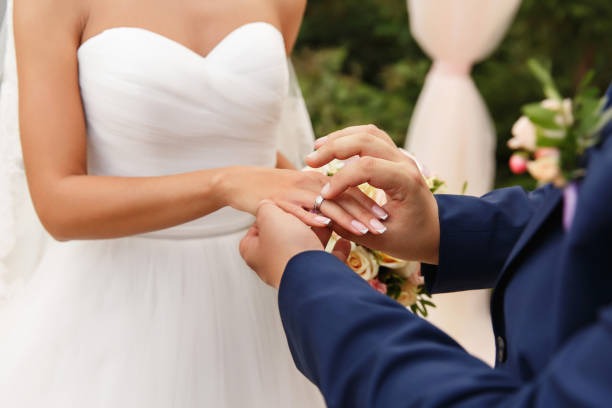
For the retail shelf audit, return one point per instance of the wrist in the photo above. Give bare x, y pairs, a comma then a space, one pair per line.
224, 184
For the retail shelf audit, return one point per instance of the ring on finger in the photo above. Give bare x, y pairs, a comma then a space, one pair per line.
318, 203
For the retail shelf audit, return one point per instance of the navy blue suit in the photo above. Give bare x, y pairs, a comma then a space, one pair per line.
551, 308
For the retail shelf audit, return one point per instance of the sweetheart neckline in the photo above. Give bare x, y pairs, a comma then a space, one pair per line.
177, 43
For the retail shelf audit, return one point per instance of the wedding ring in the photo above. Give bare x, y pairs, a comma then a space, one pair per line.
318, 203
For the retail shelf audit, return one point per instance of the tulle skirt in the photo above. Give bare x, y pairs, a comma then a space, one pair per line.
147, 322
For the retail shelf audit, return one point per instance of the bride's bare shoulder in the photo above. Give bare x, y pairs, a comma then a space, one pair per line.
41, 18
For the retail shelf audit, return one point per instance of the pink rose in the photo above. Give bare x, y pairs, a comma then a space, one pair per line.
378, 286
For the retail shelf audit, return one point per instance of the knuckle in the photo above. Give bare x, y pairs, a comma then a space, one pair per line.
371, 129
330, 145
364, 138
415, 177
367, 163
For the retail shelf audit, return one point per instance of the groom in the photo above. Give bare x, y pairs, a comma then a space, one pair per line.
551, 308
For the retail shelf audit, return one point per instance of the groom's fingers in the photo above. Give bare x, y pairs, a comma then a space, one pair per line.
269, 216
358, 144
248, 244
379, 173
324, 234
342, 250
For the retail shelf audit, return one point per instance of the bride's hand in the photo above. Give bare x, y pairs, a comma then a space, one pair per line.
414, 228
243, 188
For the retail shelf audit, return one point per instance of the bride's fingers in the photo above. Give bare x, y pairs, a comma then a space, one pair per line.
344, 218
309, 218
368, 203
369, 129
358, 144
360, 212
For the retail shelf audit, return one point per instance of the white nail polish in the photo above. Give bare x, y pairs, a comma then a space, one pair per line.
323, 220
379, 212
378, 226
359, 227
311, 155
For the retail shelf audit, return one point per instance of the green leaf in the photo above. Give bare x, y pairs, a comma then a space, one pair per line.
543, 75
585, 82
541, 116
464, 188
604, 120
545, 141
589, 116
427, 303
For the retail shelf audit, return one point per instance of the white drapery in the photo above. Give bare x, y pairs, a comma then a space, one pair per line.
451, 130
452, 133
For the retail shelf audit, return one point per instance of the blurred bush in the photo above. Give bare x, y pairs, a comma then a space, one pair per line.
358, 63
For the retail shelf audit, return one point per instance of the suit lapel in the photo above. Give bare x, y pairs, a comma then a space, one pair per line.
497, 299
549, 204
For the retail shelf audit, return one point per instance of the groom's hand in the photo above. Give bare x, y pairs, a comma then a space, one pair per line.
413, 225
276, 237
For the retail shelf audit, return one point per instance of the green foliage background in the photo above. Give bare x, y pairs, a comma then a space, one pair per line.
358, 63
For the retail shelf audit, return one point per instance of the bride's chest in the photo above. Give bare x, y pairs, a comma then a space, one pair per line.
144, 76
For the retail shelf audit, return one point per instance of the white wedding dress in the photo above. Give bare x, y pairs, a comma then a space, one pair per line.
172, 318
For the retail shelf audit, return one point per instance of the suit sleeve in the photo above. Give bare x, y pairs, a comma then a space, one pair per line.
364, 350
477, 235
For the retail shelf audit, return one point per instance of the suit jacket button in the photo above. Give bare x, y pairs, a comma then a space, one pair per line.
501, 349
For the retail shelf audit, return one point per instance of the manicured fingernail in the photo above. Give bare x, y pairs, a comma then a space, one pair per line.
325, 189
323, 220
359, 227
379, 212
378, 226
312, 155
321, 141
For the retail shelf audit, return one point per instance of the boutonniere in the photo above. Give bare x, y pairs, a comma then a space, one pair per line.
552, 136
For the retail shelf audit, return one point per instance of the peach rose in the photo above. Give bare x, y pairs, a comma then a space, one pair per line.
363, 262
390, 262
525, 135
546, 169
408, 295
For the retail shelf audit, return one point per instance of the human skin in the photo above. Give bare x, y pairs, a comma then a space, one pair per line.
413, 224
75, 205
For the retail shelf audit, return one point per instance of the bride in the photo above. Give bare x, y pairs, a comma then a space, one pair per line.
148, 131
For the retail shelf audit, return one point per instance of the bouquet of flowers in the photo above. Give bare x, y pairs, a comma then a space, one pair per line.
400, 280
552, 135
